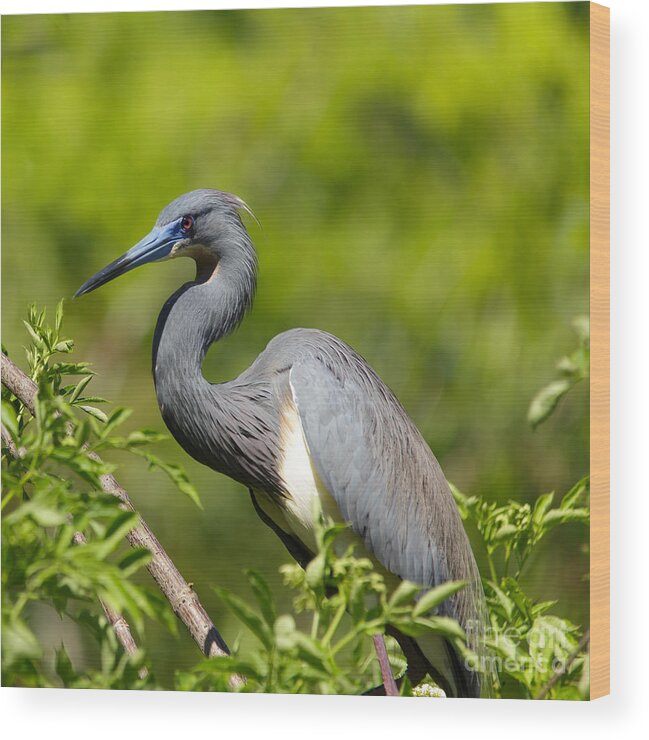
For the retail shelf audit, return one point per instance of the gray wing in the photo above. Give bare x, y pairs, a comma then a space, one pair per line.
381, 472
386, 482
384, 477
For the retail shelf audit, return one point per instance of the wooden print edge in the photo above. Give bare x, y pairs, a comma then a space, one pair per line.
600, 350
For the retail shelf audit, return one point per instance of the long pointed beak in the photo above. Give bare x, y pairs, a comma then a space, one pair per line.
155, 246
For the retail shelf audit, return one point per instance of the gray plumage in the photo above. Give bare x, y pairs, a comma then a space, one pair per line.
361, 443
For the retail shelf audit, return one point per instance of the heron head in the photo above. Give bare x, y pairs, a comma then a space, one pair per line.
203, 224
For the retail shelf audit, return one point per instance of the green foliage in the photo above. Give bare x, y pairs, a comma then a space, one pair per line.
341, 602
526, 644
530, 646
115, 669
52, 490
322, 644
514, 529
571, 370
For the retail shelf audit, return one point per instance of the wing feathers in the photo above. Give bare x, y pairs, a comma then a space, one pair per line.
382, 475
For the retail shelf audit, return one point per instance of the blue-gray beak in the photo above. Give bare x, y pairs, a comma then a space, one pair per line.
155, 246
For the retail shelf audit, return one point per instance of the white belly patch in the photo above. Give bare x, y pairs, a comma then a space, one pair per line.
307, 493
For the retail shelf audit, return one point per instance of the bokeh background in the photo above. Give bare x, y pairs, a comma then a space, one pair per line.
421, 179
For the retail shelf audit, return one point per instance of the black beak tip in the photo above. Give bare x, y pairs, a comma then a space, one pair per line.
88, 287
96, 281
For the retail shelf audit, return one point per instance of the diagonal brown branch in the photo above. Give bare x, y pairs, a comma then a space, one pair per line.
178, 592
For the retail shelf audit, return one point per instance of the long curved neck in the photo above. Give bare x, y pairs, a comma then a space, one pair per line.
200, 313
205, 419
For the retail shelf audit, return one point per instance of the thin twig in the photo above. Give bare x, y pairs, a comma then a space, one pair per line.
564, 668
8, 442
178, 592
386, 672
119, 624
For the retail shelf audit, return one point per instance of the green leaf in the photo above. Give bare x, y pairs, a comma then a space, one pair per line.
117, 417
263, 595
243, 612
45, 516
315, 571
542, 504
144, 437
177, 475
546, 400
134, 560
18, 642
161, 610
63, 667
229, 664
502, 598
507, 531
64, 346
542, 606
91, 399
36, 338
285, 632
82, 434
436, 596
311, 652
97, 413
121, 525
403, 594
575, 493
80, 387
421, 625
560, 516
9, 418
58, 316
72, 368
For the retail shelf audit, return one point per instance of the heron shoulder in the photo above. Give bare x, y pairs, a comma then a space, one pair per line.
300, 340
328, 351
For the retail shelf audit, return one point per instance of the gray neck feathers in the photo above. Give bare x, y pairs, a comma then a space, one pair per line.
228, 426
203, 311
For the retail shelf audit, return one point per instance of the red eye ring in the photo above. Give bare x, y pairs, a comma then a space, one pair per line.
187, 223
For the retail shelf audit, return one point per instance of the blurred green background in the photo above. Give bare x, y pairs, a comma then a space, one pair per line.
421, 178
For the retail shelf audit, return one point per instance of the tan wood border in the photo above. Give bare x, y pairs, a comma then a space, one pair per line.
600, 350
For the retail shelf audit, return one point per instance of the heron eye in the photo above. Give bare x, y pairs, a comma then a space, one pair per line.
187, 224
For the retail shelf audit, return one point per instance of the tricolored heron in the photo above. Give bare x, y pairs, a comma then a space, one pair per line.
309, 419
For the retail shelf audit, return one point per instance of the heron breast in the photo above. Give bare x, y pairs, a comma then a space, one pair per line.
306, 493
307, 496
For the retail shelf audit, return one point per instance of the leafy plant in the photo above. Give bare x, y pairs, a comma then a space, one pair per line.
52, 490
535, 654
343, 601
571, 369
528, 644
